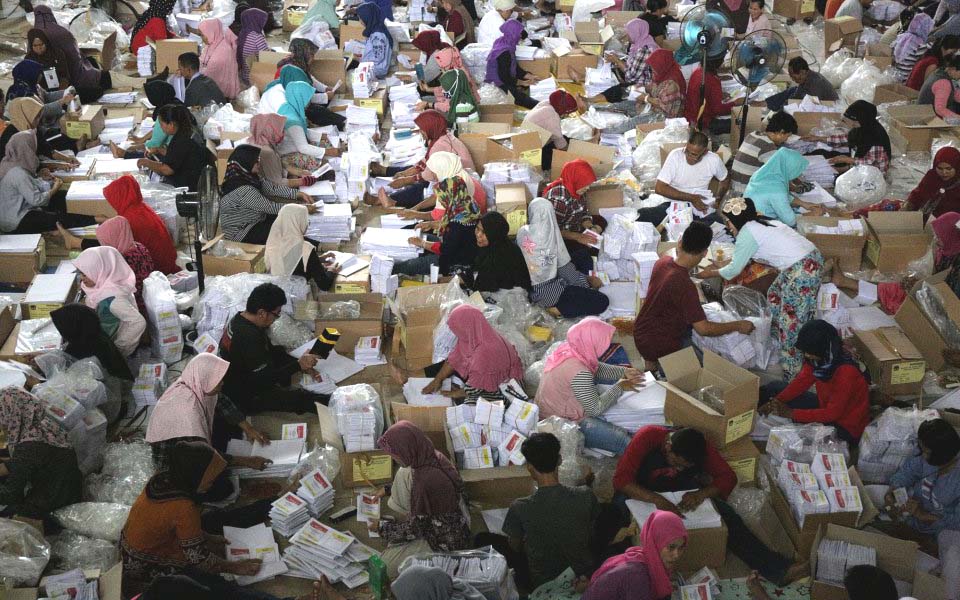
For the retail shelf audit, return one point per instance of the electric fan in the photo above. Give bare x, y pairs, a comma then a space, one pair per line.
705, 33
203, 208
756, 59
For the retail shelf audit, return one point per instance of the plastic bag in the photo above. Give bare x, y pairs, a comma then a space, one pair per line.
571, 448
583, 9
800, 442
289, 333
88, 438
491, 94
497, 173
53, 362
224, 297
483, 568
324, 457
359, 416
101, 520
166, 335
931, 303
71, 550
862, 83
577, 129
349, 309
860, 186
126, 469
24, 554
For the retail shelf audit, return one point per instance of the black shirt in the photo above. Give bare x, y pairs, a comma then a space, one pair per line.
658, 25
42, 479
256, 365
187, 158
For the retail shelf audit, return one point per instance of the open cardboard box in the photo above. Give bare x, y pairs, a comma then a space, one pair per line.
168, 53
525, 146
511, 200
251, 261
743, 456
841, 32
329, 67
369, 323
579, 60
924, 334
592, 35
21, 267
794, 9
420, 312
918, 125
601, 158
498, 113
740, 392
895, 239
807, 121
881, 55
47, 293
350, 30
927, 586
895, 365
293, 13
847, 250
705, 548
355, 283
541, 67
109, 585
357, 469
894, 92
475, 137
608, 195
895, 556
261, 74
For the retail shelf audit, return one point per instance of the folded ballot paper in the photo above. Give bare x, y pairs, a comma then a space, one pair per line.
369, 351
254, 543
288, 514
704, 516
317, 490
284, 454
317, 550
636, 409
836, 557
413, 393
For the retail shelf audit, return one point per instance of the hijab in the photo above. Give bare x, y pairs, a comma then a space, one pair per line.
190, 465
372, 15
385, 7
428, 42
124, 196
79, 326
820, 338
433, 125
252, 22
511, 32
294, 109
159, 94
916, 35
116, 232
638, 30
454, 191
323, 10
218, 59
481, 354
574, 176
302, 52
772, 180
659, 530
456, 84
469, 20
932, 188
21, 152
240, 169
286, 247
541, 243
869, 132
238, 11
26, 76
563, 102
51, 57
111, 274
187, 408
586, 342
266, 130
289, 74
24, 113
665, 67
431, 583
500, 263
80, 71
437, 486
945, 228
158, 9
23, 419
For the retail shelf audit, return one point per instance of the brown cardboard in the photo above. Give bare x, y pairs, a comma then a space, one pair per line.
252, 260
807, 121
918, 124
329, 67
88, 122
378, 102
619, 18
895, 556
577, 59
894, 363
603, 196
476, 144
541, 67
705, 548
667, 147
262, 73
847, 250
524, 147
355, 283
419, 309
895, 239
881, 55
485, 129
927, 586
271, 57
794, 9
743, 457
21, 267
740, 390
168, 53
754, 123
351, 30
601, 158
108, 584
841, 32
42, 310
370, 321
357, 469
293, 13
924, 334
511, 200
497, 113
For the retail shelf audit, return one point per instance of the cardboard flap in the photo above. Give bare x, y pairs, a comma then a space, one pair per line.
510, 196
681, 363
328, 427
902, 222
890, 343
110, 583
427, 418
726, 370
951, 304
485, 129
589, 150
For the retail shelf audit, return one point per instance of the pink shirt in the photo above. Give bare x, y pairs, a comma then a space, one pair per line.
761, 23
941, 96
555, 395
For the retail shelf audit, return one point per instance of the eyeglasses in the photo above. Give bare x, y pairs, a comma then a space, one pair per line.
275, 313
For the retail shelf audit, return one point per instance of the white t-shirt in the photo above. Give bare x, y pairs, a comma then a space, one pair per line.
691, 179
850, 8
272, 100
488, 30
778, 245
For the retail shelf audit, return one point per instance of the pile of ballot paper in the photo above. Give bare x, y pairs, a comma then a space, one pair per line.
824, 486
388, 242
413, 393
624, 238
487, 434
403, 149
403, 98
318, 491
288, 514
150, 383
496, 173
72, 584
705, 516
369, 351
363, 82
321, 192
37, 335
886, 442
542, 89
284, 454
317, 550
487, 572
362, 119
254, 543
382, 279
116, 130
331, 222
599, 80
145, 60
639, 408
836, 557
753, 350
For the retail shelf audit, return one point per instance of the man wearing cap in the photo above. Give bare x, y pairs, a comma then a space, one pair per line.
489, 28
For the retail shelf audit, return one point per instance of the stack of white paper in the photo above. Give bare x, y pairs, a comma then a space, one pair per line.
363, 81
37, 335
369, 351
368, 509
382, 279
478, 458
808, 503
639, 408
522, 416
624, 238
361, 119
487, 413
150, 383
145, 61
466, 436
509, 449
288, 514
542, 89
331, 222
254, 543
321, 191
413, 393
317, 550
403, 98
836, 557
844, 499
19, 243
704, 516
395, 221
390, 242
317, 490
599, 80
644, 262
284, 454
403, 150
819, 171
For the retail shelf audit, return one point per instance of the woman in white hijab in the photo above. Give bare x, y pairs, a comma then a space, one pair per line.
557, 285
289, 253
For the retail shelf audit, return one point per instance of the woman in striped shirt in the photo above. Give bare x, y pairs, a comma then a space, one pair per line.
250, 41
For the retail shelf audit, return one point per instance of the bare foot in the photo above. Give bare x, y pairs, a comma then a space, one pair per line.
837, 278
70, 241
554, 311
384, 199
398, 375
370, 199
797, 571
116, 150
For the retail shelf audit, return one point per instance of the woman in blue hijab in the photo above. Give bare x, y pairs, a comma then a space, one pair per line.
27, 76
378, 48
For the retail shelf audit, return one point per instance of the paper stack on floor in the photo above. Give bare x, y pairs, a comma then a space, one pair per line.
285, 455
369, 351
318, 550
541, 90
317, 490
413, 394
331, 222
382, 279
636, 409
288, 514
321, 191
254, 543
390, 242
836, 557
704, 516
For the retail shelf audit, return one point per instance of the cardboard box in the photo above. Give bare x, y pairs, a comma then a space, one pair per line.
927, 586
894, 363
807, 121
619, 18
603, 196
743, 457
262, 73
591, 36
497, 113
419, 309
89, 122
577, 59
525, 147
109, 584
21, 267
355, 283
370, 321
47, 293
794, 9
511, 200
293, 13
377, 102
541, 67
918, 124
895, 239
668, 147
895, 556
894, 92
252, 260
357, 469
881, 55
350, 30
329, 67
924, 334
168, 53
739, 388
841, 32
847, 250
601, 158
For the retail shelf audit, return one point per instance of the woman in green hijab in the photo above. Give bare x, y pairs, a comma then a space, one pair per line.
323, 10
769, 187
464, 107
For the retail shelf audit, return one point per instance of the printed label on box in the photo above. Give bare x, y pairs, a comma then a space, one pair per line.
533, 157
739, 426
908, 372
745, 469
372, 468
77, 129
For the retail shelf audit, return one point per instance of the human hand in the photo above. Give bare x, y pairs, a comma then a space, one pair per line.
698, 203
663, 504
691, 500
431, 388
415, 242
745, 327
420, 106
304, 198
755, 587
308, 361
585, 239
246, 567
311, 208
409, 214
141, 163
373, 525
580, 584
254, 434
66, 99
44, 173
767, 408
595, 282
627, 385
257, 463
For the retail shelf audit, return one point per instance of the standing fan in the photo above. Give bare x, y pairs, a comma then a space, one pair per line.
705, 33
203, 208
756, 60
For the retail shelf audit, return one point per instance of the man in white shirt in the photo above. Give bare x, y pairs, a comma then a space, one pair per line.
687, 173
854, 8
488, 30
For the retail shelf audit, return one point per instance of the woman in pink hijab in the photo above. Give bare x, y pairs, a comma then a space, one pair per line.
116, 232
219, 58
266, 132
643, 572
568, 387
109, 284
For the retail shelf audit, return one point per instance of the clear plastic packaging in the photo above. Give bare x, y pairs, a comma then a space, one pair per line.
324, 457
24, 554
53, 362
88, 439
491, 94
101, 520
646, 158
224, 297
126, 469
166, 335
578, 129
71, 550
359, 415
248, 100
289, 333
839, 66
931, 303
860, 186
349, 309
496, 173
799, 443
483, 568
862, 83
571, 448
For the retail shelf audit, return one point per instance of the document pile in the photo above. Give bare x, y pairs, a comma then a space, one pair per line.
623, 238
150, 383
116, 131
486, 435
890, 440
819, 171
363, 82
843, 227
37, 335
643, 264
403, 98
369, 351
318, 550
413, 393
735, 346
496, 173
824, 486
642, 407
145, 60
331, 222
418, 12
317, 490
836, 557
382, 279
254, 543
288, 514
359, 416
704, 516
72, 584
403, 148
361, 119
485, 570
542, 89
321, 191
395, 221
599, 79
389, 242
283, 454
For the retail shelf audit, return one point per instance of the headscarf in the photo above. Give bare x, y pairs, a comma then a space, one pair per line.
945, 228
428, 42
469, 20
385, 7
124, 196
431, 583
302, 52
740, 211
240, 169
252, 21
433, 125
266, 130
158, 9
660, 529
821, 338
159, 94
238, 11
932, 189
511, 31
481, 354
665, 67
116, 232
916, 34
437, 486
21, 152
457, 85
218, 60
286, 247
22, 419
26, 76
541, 243
323, 10
574, 176
454, 190
586, 343
638, 30
294, 109
187, 408
79, 326
771, 182
289, 74
80, 71
51, 57
563, 102
24, 113
111, 274
372, 15
190, 465
869, 132
499, 264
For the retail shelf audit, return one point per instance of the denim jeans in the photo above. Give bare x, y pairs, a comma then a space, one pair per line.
604, 435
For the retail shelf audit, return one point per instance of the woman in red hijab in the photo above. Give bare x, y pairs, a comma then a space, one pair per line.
547, 115
125, 198
939, 190
566, 195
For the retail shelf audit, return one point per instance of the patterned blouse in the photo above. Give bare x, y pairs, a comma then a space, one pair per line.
570, 211
141, 262
444, 533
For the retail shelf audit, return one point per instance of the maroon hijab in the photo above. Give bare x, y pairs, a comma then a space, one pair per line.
437, 486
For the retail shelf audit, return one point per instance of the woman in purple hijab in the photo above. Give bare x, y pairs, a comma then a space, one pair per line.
89, 81
251, 40
502, 68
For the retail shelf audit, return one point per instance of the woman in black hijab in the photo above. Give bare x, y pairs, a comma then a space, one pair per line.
499, 264
868, 140
79, 326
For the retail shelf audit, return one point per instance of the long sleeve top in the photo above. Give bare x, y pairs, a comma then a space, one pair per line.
585, 389
256, 365
127, 325
545, 116
42, 479
938, 493
378, 50
943, 91
843, 400
876, 156
547, 294
815, 85
20, 192
295, 140
52, 108
158, 137
507, 75
713, 92
244, 207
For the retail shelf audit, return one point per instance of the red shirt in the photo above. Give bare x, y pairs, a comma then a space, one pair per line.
918, 74
671, 307
155, 29
844, 399
715, 107
634, 463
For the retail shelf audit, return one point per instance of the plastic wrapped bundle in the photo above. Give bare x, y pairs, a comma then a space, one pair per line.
646, 158
290, 334
101, 520
860, 186
359, 416
24, 554
248, 100
126, 469
325, 457
862, 83
577, 129
71, 550
532, 376
833, 68
800, 442
88, 439
475, 59
571, 447
491, 94
224, 297
53, 362
510, 172
751, 305
735, 346
166, 336
879, 459
349, 309
484, 568
931, 303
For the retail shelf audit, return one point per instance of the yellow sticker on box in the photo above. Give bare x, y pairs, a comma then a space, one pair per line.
260, 266
516, 219
350, 288
739, 426
77, 129
532, 156
374, 103
746, 469
295, 16
372, 467
873, 251
808, 7
42, 310
907, 372
539, 334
